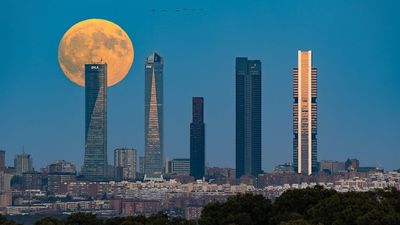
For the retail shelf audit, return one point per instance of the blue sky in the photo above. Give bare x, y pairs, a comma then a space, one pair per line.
355, 47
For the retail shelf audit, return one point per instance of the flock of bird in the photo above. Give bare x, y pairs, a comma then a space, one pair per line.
177, 10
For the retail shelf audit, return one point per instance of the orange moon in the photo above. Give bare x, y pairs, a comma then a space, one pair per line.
95, 41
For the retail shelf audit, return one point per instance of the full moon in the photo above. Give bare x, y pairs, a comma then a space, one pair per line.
95, 41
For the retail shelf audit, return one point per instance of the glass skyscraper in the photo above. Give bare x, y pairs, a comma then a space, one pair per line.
197, 139
305, 115
248, 117
153, 105
95, 162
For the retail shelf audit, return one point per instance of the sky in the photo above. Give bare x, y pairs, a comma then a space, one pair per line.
355, 47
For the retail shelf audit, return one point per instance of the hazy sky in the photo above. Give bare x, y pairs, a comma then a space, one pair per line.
355, 47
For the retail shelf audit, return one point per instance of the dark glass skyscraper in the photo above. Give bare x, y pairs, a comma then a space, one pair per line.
2, 160
153, 105
95, 162
248, 117
197, 139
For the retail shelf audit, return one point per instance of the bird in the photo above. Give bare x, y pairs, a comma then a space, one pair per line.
178, 10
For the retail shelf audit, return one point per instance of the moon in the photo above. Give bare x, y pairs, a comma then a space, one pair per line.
95, 41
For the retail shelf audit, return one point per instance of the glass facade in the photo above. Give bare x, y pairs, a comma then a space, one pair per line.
179, 166
95, 161
305, 115
197, 139
248, 117
153, 136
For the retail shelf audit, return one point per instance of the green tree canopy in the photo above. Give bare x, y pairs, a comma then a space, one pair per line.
246, 209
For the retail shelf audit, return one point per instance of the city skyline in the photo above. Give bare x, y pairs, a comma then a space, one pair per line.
347, 83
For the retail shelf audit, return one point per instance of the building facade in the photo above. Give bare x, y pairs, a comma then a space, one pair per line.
248, 117
179, 166
95, 161
332, 166
153, 136
197, 139
32, 181
125, 163
5, 181
58, 172
2, 160
305, 115
141, 164
61, 166
352, 164
23, 163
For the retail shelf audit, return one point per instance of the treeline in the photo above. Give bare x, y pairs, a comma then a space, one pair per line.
310, 206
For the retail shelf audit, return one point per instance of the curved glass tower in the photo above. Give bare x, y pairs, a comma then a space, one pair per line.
95, 162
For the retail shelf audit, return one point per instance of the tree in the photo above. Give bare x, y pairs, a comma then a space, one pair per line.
246, 209
49, 221
294, 204
354, 208
389, 196
82, 219
296, 222
379, 217
5, 221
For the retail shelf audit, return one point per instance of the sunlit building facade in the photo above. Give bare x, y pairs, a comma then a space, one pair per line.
305, 115
153, 136
95, 161
248, 117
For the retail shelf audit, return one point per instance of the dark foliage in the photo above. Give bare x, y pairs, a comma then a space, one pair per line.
4, 221
246, 209
310, 206
294, 204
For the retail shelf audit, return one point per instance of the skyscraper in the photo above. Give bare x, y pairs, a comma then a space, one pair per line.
23, 163
248, 117
95, 162
197, 139
153, 105
305, 115
141, 165
125, 163
2, 160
